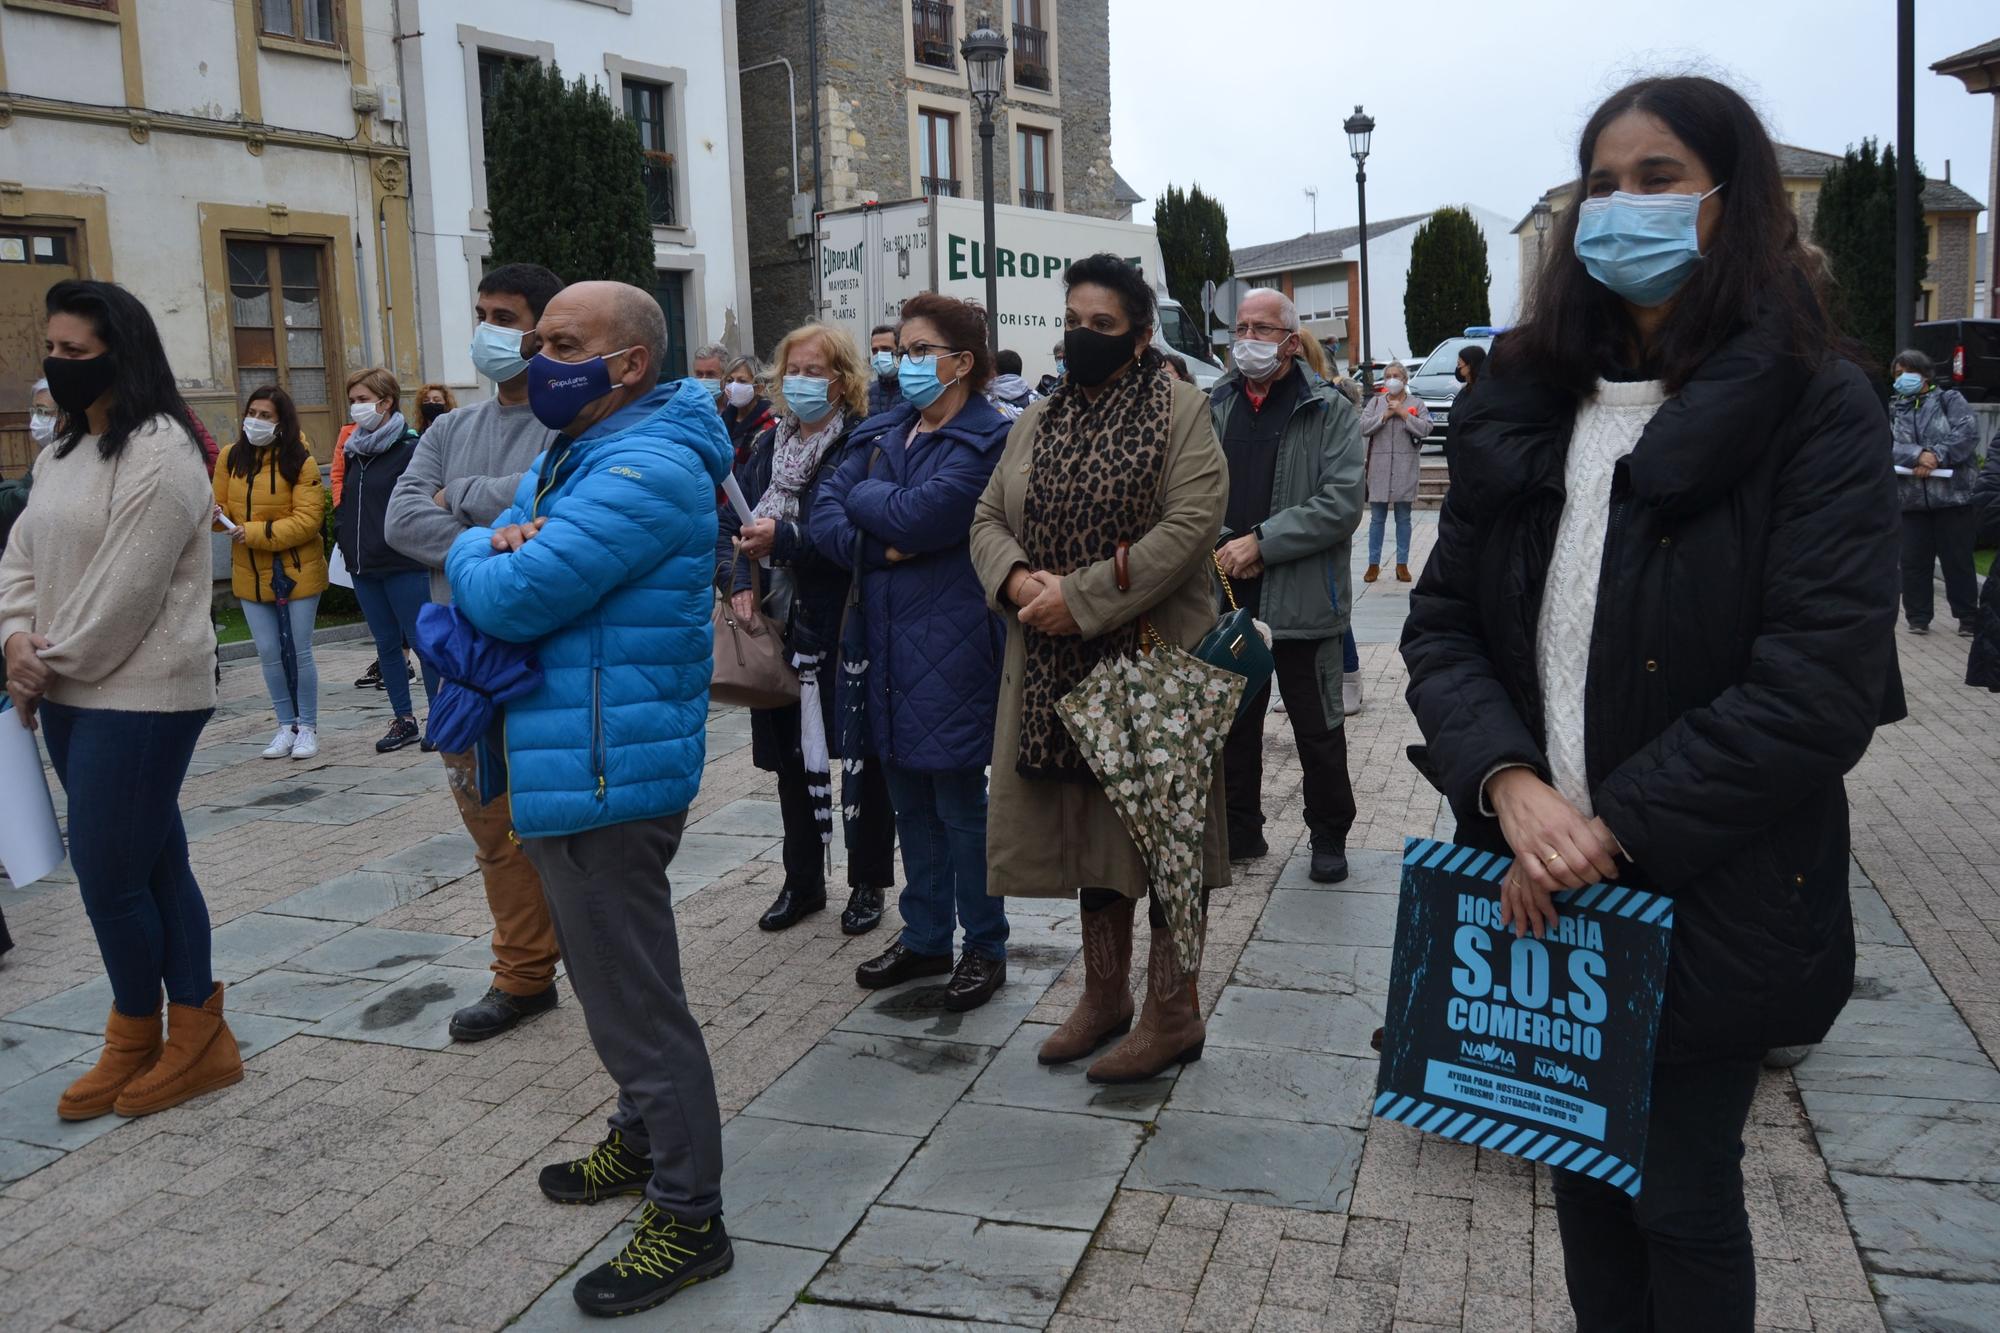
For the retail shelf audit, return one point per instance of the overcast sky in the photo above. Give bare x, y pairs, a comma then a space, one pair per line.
1482, 102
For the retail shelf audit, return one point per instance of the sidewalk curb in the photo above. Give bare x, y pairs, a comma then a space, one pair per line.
241, 651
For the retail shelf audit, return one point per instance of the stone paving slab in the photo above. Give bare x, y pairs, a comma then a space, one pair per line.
1016, 1165
1278, 1163
960, 1267
258, 940
306, 996
375, 953
838, 1319
27, 1051
411, 1011
805, 1185
358, 896
892, 1085
1016, 1078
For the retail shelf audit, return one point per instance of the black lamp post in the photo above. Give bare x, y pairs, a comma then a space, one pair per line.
985, 53
1543, 215
1359, 127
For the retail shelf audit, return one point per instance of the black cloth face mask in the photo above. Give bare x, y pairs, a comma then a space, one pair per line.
1090, 357
77, 383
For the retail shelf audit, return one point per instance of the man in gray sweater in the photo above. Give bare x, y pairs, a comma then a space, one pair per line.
463, 475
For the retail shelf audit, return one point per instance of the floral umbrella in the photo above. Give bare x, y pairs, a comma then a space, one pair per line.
1152, 728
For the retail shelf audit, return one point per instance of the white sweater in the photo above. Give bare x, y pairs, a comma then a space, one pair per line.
1608, 425
110, 561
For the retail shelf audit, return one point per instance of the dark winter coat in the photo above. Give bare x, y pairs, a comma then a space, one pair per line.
1939, 421
1742, 657
819, 592
934, 646
884, 392
365, 487
1984, 668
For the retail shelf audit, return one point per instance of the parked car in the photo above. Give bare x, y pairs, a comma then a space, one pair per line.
1436, 380
1967, 355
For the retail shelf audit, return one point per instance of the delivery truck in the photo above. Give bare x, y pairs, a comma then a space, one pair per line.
875, 257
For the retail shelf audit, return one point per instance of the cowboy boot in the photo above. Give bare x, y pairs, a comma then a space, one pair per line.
131, 1045
1104, 1010
200, 1056
1170, 1029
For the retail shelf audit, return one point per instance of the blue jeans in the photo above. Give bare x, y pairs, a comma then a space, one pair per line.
262, 617
941, 818
1378, 515
123, 773
389, 603
1350, 656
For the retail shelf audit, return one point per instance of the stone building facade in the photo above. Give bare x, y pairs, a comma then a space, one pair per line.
896, 120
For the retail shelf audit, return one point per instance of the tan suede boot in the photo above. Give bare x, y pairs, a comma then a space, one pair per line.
1105, 1009
1170, 1029
1372, 573
200, 1056
131, 1045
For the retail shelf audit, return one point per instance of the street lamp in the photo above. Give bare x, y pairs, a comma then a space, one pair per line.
1543, 214
1360, 126
985, 53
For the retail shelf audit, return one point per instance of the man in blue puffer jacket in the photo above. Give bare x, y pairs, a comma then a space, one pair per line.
604, 564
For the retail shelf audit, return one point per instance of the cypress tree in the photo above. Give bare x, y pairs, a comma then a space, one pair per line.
1855, 224
564, 180
1193, 230
1448, 281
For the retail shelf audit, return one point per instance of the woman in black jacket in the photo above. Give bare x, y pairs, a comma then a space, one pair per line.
1656, 631
390, 586
821, 396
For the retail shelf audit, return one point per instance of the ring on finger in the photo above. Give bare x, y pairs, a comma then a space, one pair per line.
1552, 858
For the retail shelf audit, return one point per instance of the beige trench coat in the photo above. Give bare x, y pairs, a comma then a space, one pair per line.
1049, 839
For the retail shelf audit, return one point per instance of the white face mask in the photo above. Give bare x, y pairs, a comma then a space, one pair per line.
1392, 385
365, 416
1258, 360
42, 427
738, 393
259, 431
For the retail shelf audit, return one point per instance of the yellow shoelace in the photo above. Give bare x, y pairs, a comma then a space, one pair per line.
606, 1166
652, 1250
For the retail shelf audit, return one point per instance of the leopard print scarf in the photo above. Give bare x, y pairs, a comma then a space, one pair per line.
1095, 481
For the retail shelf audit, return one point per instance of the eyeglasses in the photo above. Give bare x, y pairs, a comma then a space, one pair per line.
1264, 332
919, 351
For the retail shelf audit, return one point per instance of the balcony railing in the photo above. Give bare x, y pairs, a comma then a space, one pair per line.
662, 204
931, 30
1031, 57
1042, 199
944, 185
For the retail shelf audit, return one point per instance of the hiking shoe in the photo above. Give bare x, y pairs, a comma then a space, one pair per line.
610, 1171
664, 1256
281, 744
305, 745
371, 679
1920, 627
497, 1011
403, 731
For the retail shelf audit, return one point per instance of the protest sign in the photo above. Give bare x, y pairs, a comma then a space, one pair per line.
31, 843
1538, 1048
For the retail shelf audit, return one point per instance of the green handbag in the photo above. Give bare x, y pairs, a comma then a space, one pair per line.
1235, 645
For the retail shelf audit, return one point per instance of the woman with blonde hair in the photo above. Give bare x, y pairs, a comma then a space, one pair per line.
819, 393
433, 401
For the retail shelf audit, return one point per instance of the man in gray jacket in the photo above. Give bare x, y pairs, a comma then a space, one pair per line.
1293, 443
463, 475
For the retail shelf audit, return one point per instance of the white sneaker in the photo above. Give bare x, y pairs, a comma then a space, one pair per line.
307, 744
281, 744
1350, 695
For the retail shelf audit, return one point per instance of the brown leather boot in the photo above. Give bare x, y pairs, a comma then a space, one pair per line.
1402, 573
1372, 573
1170, 1029
1105, 1009
131, 1045
200, 1056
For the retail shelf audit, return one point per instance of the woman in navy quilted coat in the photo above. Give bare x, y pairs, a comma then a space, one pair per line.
904, 495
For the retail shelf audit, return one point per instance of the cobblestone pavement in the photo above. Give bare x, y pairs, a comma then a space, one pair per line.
891, 1166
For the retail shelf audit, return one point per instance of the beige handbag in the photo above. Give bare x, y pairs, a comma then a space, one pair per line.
753, 669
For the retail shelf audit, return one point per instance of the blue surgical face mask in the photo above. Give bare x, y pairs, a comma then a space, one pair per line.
884, 364
496, 352
1641, 246
918, 377
1061, 369
559, 391
806, 396
1907, 383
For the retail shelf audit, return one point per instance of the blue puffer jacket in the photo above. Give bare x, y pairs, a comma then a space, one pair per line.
934, 648
616, 593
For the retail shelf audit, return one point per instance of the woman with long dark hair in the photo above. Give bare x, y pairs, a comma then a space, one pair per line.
269, 492
104, 618
1657, 629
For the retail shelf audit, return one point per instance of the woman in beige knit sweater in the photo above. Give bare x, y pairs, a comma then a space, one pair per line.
104, 621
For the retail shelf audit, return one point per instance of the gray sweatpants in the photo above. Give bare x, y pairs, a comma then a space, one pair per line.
614, 921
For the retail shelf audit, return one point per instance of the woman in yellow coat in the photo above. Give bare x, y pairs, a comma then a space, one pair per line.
269, 499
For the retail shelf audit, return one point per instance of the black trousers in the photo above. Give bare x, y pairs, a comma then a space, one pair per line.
1939, 537
1329, 794
871, 863
1678, 1256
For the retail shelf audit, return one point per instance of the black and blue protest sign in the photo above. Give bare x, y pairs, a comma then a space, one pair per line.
1538, 1048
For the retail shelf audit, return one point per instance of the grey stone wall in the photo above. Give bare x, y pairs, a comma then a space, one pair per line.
864, 104
1952, 269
